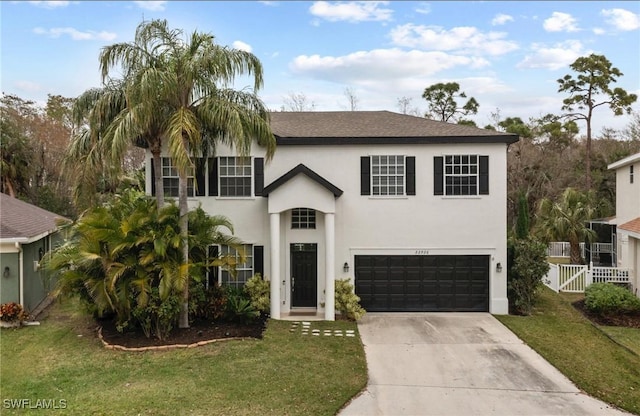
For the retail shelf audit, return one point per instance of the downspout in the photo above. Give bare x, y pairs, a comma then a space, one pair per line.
20, 272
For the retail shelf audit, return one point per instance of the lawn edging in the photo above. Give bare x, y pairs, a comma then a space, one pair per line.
163, 347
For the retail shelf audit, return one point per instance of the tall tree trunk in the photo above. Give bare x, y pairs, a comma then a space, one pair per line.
575, 254
184, 236
157, 178
588, 162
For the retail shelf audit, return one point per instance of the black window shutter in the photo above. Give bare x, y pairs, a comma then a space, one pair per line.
438, 175
153, 179
411, 174
484, 175
365, 175
200, 167
258, 167
213, 176
258, 260
212, 271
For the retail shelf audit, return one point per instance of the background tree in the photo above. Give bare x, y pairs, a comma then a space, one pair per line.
442, 101
567, 220
298, 102
405, 107
590, 89
34, 140
352, 99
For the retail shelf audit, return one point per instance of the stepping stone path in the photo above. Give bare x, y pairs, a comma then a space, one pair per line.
305, 329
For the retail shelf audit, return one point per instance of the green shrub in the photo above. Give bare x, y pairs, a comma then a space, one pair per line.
207, 304
610, 299
239, 307
158, 316
347, 302
525, 277
259, 291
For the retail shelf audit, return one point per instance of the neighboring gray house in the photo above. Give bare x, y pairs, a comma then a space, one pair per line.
27, 233
413, 210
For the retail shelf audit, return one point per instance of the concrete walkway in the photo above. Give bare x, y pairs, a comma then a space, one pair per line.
460, 364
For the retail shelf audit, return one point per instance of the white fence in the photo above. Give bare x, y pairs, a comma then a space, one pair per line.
576, 278
563, 249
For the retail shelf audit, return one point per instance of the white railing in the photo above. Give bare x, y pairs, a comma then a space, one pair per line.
562, 249
576, 278
611, 274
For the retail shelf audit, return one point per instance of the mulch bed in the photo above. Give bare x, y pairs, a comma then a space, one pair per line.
197, 332
625, 320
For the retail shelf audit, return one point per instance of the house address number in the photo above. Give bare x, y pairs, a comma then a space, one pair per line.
422, 252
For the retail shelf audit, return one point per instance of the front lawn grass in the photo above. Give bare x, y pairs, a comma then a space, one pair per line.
629, 337
565, 338
283, 374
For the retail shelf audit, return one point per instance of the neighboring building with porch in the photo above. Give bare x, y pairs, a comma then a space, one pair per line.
627, 218
27, 233
413, 210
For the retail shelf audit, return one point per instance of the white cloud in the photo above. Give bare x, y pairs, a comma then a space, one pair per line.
238, 44
356, 11
50, 4
464, 39
622, 19
501, 19
28, 86
598, 31
560, 22
423, 8
269, 3
75, 34
380, 65
154, 6
555, 57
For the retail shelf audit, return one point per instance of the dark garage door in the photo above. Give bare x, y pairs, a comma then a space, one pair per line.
423, 283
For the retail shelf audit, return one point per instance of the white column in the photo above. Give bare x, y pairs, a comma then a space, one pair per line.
330, 267
275, 265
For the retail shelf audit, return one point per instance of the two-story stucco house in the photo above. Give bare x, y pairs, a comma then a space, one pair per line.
413, 210
628, 216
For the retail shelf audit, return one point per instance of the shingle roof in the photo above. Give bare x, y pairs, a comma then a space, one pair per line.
633, 226
374, 127
19, 219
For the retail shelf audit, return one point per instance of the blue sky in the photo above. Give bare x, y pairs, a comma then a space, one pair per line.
508, 55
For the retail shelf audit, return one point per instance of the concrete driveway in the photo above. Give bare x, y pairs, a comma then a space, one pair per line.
460, 364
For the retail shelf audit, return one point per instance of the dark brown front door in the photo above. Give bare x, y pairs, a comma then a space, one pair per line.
304, 275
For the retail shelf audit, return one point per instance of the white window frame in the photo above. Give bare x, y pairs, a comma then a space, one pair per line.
169, 171
455, 167
222, 176
385, 176
303, 219
244, 271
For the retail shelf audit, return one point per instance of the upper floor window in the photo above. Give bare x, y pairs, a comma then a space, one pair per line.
303, 218
461, 175
387, 175
235, 176
170, 179
631, 174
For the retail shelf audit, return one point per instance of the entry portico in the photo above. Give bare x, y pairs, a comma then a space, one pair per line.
301, 187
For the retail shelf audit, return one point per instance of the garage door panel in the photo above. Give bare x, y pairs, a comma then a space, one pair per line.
423, 283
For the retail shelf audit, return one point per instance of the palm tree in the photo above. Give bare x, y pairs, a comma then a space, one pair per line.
566, 220
187, 82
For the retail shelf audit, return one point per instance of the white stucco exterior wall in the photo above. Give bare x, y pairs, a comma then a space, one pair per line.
420, 224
